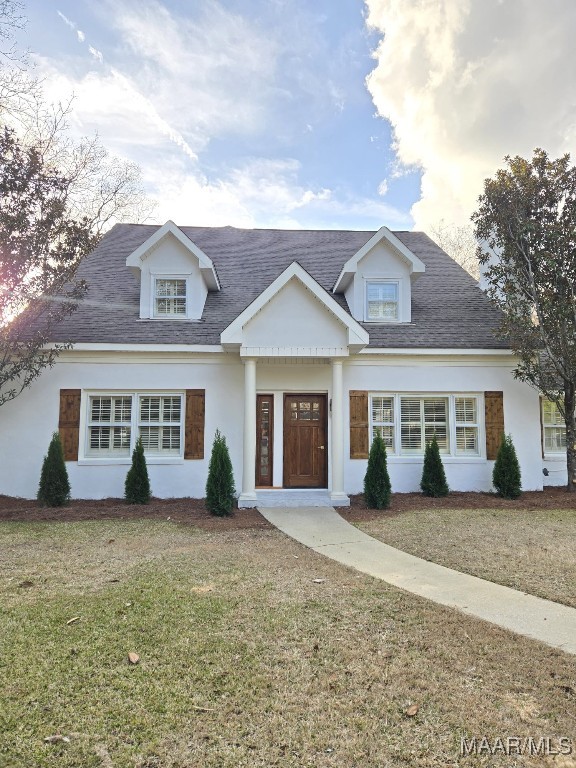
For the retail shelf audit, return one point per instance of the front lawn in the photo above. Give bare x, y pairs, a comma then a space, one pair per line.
253, 652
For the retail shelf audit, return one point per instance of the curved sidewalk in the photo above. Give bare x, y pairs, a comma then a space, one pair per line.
324, 531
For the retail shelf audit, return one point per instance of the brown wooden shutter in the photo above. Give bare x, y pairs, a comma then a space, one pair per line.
194, 430
359, 438
69, 422
494, 420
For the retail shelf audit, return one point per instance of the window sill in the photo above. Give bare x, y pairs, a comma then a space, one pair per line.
126, 461
445, 459
555, 456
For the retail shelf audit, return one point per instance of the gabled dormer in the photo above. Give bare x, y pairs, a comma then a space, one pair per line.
175, 275
377, 280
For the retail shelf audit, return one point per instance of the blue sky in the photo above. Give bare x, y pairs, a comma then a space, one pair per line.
312, 113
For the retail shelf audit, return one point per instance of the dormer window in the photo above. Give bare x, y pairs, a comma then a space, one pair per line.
382, 301
170, 297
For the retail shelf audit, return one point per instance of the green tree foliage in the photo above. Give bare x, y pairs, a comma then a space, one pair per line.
137, 485
525, 223
506, 476
54, 487
377, 487
433, 481
220, 488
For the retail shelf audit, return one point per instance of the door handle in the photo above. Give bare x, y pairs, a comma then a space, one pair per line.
321, 447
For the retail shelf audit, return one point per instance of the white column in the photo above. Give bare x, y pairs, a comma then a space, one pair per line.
337, 494
249, 458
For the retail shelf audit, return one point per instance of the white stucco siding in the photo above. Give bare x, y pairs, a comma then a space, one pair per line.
295, 318
521, 418
27, 423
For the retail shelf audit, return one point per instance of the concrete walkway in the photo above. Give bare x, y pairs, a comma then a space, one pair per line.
324, 531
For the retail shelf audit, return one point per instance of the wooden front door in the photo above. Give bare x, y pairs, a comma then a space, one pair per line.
305, 441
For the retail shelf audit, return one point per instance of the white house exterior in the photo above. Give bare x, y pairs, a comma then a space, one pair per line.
297, 346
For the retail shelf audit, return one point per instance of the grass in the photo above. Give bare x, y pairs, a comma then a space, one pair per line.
530, 550
245, 660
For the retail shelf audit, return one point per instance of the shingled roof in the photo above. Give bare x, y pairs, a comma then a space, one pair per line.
448, 308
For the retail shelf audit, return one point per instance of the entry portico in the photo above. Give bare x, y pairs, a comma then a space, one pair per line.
295, 323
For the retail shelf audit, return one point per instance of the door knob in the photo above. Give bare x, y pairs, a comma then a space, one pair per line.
321, 447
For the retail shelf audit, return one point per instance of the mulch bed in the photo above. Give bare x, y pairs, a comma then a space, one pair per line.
193, 511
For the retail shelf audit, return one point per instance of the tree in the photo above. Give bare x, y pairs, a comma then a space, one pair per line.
459, 243
433, 481
54, 487
526, 224
137, 484
506, 477
377, 485
40, 248
220, 488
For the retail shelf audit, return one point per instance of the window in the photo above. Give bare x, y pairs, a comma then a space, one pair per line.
554, 428
382, 300
170, 297
116, 421
407, 422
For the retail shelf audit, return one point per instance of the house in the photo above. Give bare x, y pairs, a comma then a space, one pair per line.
298, 346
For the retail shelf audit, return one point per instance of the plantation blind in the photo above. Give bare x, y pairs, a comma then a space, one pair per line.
69, 422
359, 438
494, 419
194, 425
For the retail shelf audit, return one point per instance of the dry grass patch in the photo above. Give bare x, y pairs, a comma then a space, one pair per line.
245, 660
530, 550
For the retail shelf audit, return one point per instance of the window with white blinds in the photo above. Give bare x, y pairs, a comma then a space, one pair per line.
170, 297
382, 300
408, 422
114, 423
553, 428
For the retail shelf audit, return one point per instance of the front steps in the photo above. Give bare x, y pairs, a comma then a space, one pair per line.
282, 497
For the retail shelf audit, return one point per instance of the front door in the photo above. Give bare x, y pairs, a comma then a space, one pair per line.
305, 443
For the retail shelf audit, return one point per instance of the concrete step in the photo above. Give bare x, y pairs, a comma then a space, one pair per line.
282, 497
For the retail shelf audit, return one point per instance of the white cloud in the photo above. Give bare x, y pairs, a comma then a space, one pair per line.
80, 35
96, 54
383, 188
466, 82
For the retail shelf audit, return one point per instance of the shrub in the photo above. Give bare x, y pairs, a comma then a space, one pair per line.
433, 481
220, 489
377, 481
506, 476
54, 487
137, 485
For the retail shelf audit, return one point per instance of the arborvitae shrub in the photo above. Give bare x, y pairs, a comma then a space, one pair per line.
54, 487
377, 486
137, 485
506, 476
220, 489
433, 481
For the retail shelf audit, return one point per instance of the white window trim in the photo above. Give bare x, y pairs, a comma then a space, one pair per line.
447, 458
397, 281
85, 459
548, 454
170, 276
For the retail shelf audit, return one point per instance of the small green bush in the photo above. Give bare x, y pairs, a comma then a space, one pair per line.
506, 476
377, 487
137, 485
433, 481
220, 489
54, 487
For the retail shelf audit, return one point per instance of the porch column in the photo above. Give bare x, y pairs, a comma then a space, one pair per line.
337, 444
249, 458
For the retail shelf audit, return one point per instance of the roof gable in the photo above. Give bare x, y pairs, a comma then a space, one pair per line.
384, 235
354, 337
169, 229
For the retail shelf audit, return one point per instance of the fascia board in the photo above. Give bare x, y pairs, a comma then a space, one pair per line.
233, 333
349, 269
206, 265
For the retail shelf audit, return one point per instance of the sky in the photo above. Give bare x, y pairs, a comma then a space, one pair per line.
336, 114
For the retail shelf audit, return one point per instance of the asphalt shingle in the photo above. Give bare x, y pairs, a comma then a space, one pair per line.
448, 308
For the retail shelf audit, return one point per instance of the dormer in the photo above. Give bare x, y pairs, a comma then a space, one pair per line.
175, 275
377, 280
